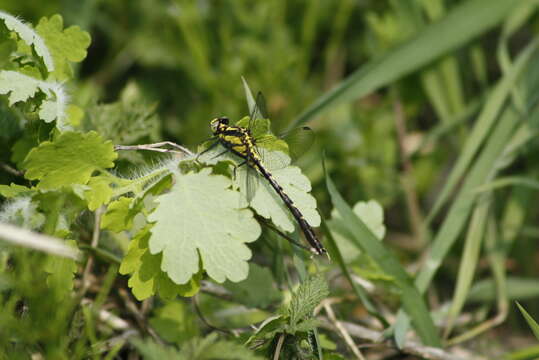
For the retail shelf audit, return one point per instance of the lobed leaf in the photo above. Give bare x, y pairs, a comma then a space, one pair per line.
99, 192
70, 159
66, 45
267, 203
22, 87
147, 278
30, 37
198, 223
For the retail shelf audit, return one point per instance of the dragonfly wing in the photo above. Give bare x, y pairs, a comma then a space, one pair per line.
259, 111
274, 159
277, 153
251, 183
299, 141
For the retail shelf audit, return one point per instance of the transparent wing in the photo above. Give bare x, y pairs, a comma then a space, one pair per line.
251, 183
259, 111
299, 141
278, 152
258, 119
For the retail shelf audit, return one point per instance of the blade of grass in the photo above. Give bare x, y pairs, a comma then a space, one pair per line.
527, 353
486, 119
509, 181
485, 291
468, 264
461, 25
531, 322
365, 240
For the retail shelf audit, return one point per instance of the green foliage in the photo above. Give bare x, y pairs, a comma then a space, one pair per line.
70, 159
184, 230
175, 322
208, 348
47, 52
309, 294
296, 322
66, 45
371, 213
30, 37
147, 277
257, 290
530, 320
422, 106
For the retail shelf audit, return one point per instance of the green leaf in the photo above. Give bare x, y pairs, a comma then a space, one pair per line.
198, 221
99, 193
269, 205
308, 295
175, 322
65, 44
531, 322
371, 213
469, 259
147, 278
337, 255
70, 159
22, 87
482, 129
14, 190
119, 216
30, 37
267, 329
257, 290
461, 25
304, 326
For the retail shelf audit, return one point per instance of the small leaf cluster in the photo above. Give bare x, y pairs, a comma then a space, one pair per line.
35, 62
296, 323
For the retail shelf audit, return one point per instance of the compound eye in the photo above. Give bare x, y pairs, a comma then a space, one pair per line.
223, 120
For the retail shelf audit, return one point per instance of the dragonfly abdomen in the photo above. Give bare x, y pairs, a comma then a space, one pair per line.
308, 231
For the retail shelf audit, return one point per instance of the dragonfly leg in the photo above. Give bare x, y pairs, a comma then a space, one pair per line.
237, 166
212, 146
218, 155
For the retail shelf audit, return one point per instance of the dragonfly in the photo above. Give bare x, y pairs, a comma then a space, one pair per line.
249, 142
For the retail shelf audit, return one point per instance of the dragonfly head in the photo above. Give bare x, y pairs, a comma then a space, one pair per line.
219, 124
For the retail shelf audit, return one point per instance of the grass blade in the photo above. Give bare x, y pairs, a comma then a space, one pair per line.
470, 257
531, 322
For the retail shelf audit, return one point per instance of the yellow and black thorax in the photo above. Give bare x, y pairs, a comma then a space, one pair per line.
235, 138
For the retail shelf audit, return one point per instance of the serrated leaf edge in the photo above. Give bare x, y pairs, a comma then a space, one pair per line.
29, 36
49, 89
